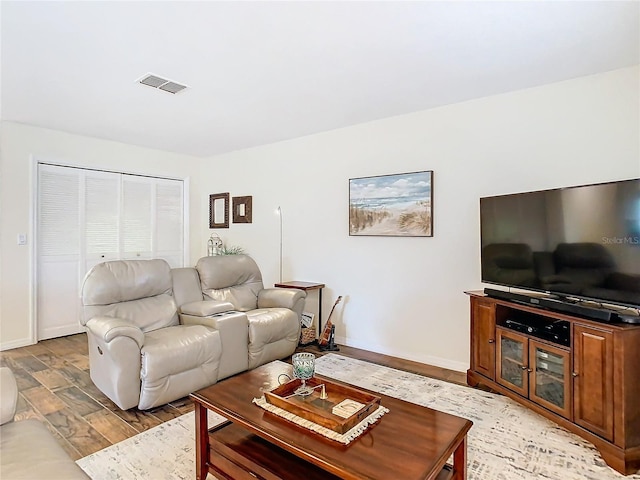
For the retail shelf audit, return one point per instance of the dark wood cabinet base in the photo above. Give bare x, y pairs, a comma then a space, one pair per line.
600, 381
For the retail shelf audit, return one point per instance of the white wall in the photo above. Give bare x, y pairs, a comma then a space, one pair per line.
18, 143
404, 296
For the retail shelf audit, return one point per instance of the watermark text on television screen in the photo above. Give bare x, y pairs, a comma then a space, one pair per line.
621, 240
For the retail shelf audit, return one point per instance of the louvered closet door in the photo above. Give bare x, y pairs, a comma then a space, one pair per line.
101, 219
169, 221
137, 217
86, 217
59, 251
152, 219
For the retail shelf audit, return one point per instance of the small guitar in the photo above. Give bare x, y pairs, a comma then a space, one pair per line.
326, 334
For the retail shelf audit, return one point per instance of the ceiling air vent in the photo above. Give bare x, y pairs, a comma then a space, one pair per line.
172, 87
155, 81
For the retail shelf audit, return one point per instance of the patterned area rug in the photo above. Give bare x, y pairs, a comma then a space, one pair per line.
506, 442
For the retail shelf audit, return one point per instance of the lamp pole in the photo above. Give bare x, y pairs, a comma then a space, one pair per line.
280, 215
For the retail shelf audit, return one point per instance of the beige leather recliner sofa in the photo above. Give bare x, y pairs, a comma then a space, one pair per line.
28, 449
157, 334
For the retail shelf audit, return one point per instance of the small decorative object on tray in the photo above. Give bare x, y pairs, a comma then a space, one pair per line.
318, 406
304, 364
346, 408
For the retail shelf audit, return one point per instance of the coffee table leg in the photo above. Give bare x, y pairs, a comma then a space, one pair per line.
460, 461
202, 441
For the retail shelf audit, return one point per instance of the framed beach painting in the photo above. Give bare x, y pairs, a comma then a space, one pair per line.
399, 205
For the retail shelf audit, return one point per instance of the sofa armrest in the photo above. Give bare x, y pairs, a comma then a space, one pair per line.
108, 328
8, 395
280, 297
204, 308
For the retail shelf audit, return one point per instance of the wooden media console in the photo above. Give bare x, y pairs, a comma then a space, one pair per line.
589, 384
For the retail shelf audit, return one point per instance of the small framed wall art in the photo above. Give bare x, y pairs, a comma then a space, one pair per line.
399, 205
219, 210
241, 207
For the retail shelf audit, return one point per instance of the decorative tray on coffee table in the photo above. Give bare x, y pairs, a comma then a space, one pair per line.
320, 410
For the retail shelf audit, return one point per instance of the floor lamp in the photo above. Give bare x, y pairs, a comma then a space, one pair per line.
279, 212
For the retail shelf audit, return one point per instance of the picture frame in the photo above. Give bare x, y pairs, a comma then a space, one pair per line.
396, 205
242, 209
219, 210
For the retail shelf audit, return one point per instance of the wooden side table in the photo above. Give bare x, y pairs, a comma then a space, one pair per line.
307, 286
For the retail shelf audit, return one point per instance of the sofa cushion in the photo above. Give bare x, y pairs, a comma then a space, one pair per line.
268, 325
273, 334
136, 290
510, 263
582, 277
243, 297
177, 361
146, 313
623, 281
582, 256
231, 278
29, 451
125, 280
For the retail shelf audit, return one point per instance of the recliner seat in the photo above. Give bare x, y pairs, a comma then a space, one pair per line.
273, 314
139, 353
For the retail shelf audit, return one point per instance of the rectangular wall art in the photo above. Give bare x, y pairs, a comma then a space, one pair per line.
219, 210
399, 205
242, 209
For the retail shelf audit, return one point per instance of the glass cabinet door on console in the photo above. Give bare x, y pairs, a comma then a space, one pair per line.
550, 377
512, 353
534, 369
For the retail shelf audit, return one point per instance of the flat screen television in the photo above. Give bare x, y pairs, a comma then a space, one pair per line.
579, 242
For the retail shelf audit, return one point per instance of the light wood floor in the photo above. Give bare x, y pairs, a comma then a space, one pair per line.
54, 387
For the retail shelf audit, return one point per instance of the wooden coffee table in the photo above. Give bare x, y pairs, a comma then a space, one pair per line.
410, 442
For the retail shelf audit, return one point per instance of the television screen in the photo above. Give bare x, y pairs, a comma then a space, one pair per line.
581, 242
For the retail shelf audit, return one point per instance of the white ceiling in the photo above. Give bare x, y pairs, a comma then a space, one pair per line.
261, 72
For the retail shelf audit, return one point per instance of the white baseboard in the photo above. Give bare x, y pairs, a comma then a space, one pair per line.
22, 342
426, 359
62, 331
